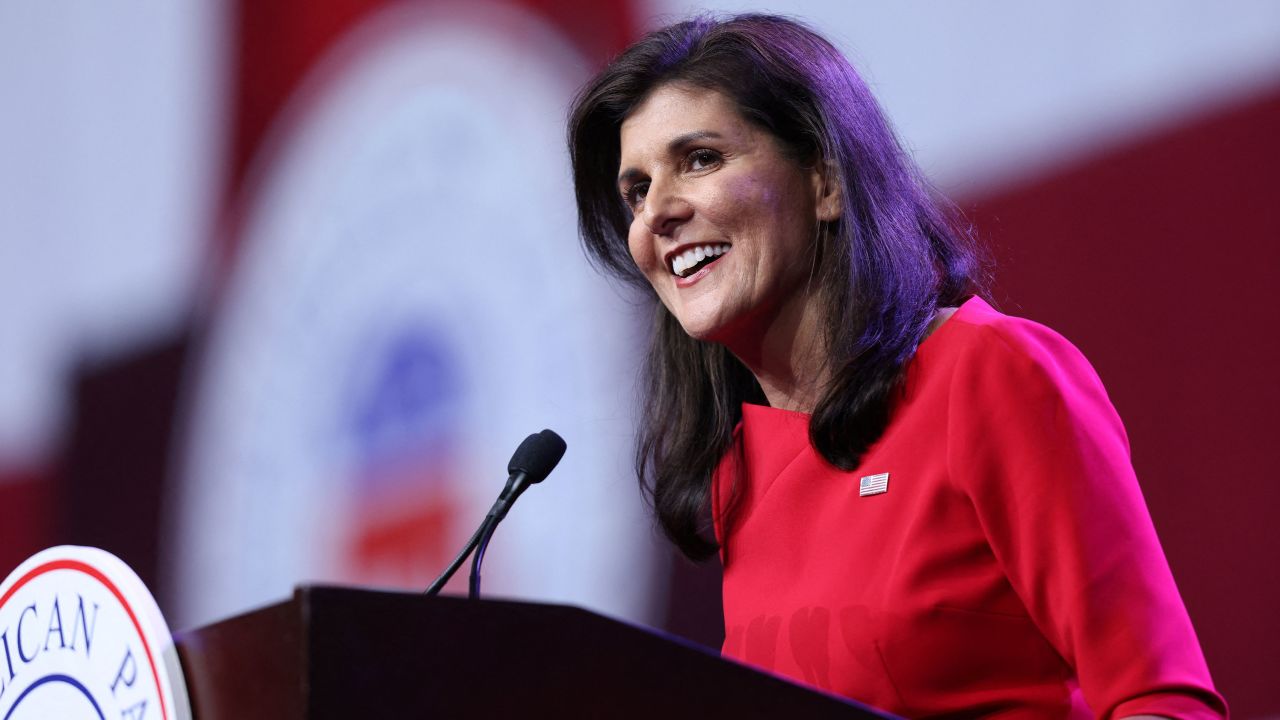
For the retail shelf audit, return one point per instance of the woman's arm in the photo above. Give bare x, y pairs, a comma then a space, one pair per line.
1040, 450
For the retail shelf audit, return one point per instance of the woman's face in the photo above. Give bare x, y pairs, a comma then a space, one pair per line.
723, 220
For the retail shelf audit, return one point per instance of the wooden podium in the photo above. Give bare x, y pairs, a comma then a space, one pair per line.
334, 652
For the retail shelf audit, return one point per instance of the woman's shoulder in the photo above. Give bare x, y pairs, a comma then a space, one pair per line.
1005, 375
977, 322
979, 333
993, 354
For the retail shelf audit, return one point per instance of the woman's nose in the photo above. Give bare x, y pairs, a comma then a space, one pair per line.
665, 209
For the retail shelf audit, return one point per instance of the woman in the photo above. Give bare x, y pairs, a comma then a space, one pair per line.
919, 502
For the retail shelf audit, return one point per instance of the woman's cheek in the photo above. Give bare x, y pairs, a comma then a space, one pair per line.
636, 246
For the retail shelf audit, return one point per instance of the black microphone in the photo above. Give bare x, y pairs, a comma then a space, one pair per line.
536, 457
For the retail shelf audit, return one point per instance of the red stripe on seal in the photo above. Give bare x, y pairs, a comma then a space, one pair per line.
97, 575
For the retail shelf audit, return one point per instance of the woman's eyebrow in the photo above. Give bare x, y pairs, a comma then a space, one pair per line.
626, 176
675, 145
680, 141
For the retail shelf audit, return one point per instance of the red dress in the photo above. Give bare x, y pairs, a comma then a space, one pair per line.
1008, 566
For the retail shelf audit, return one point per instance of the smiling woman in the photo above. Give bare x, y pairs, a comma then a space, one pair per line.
919, 502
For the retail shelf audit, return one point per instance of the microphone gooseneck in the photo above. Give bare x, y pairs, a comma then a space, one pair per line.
532, 461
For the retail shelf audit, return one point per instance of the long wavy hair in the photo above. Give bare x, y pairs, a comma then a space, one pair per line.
883, 269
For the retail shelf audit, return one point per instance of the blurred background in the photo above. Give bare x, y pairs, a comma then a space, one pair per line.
283, 284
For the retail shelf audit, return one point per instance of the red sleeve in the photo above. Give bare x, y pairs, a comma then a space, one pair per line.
1038, 447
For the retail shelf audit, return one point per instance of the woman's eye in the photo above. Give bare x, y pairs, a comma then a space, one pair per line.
703, 159
635, 194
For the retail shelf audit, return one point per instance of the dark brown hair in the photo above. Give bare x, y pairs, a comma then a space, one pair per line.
891, 260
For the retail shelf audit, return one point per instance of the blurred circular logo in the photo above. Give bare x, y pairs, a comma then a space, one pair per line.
409, 302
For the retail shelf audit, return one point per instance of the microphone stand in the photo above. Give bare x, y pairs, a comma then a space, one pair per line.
532, 462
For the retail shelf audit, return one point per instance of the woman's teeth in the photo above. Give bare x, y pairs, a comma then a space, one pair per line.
687, 262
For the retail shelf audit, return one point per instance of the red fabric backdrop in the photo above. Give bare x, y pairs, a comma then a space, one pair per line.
27, 520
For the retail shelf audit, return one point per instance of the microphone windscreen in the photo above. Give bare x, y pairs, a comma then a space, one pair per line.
537, 456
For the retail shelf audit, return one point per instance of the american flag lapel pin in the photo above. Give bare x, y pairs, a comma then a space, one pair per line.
873, 484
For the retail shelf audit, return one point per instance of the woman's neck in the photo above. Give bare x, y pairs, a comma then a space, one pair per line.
790, 360
787, 355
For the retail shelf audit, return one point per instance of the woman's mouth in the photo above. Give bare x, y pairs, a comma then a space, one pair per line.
692, 260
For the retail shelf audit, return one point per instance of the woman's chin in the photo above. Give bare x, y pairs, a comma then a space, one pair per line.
700, 328
719, 332
712, 319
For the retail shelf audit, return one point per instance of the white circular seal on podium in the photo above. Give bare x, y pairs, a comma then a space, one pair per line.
82, 637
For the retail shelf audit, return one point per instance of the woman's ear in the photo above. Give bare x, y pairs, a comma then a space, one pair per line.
829, 197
